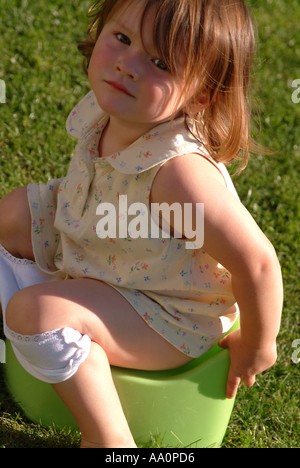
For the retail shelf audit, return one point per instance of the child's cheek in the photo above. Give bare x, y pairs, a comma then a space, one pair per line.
102, 60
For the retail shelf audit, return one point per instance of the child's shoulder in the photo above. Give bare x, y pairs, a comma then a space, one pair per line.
196, 165
185, 173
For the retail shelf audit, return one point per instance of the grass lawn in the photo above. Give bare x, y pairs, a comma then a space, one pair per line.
41, 67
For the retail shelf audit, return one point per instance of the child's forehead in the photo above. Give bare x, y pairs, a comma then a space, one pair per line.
131, 11
130, 19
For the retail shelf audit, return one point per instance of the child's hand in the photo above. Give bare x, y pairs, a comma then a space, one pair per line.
246, 361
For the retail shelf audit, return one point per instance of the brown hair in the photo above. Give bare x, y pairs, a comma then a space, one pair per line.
217, 38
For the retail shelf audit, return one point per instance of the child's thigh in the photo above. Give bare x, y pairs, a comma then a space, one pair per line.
15, 224
98, 310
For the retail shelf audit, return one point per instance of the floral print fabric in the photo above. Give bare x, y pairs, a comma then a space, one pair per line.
184, 295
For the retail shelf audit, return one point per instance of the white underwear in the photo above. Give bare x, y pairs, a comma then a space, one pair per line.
53, 356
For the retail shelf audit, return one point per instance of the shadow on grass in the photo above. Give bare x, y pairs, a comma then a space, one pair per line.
16, 431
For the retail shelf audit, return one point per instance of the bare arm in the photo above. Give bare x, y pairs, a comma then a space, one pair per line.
232, 237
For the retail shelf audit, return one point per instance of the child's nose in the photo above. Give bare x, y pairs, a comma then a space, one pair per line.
128, 65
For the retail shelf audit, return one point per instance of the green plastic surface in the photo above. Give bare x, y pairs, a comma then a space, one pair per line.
185, 406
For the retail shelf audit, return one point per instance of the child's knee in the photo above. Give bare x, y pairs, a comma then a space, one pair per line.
20, 313
52, 356
12, 207
15, 222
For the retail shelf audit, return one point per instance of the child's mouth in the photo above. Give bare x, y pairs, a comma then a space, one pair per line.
119, 87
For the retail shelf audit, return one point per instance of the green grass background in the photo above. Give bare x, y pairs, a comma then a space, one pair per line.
41, 67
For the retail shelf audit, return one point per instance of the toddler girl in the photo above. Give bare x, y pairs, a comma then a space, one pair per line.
168, 108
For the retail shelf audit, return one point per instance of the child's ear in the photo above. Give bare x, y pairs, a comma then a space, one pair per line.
198, 104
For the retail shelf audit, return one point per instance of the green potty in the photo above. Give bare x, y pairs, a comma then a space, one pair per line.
187, 406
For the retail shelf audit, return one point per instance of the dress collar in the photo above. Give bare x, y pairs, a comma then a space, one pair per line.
163, 142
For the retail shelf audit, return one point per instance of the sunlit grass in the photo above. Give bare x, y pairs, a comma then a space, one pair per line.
41, 67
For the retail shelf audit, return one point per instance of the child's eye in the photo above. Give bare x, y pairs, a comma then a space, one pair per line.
124, 39
160, 64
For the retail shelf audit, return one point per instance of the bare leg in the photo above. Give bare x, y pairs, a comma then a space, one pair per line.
120, 337
88, 393
15, 224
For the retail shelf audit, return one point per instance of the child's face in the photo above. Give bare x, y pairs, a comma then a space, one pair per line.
122, 58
